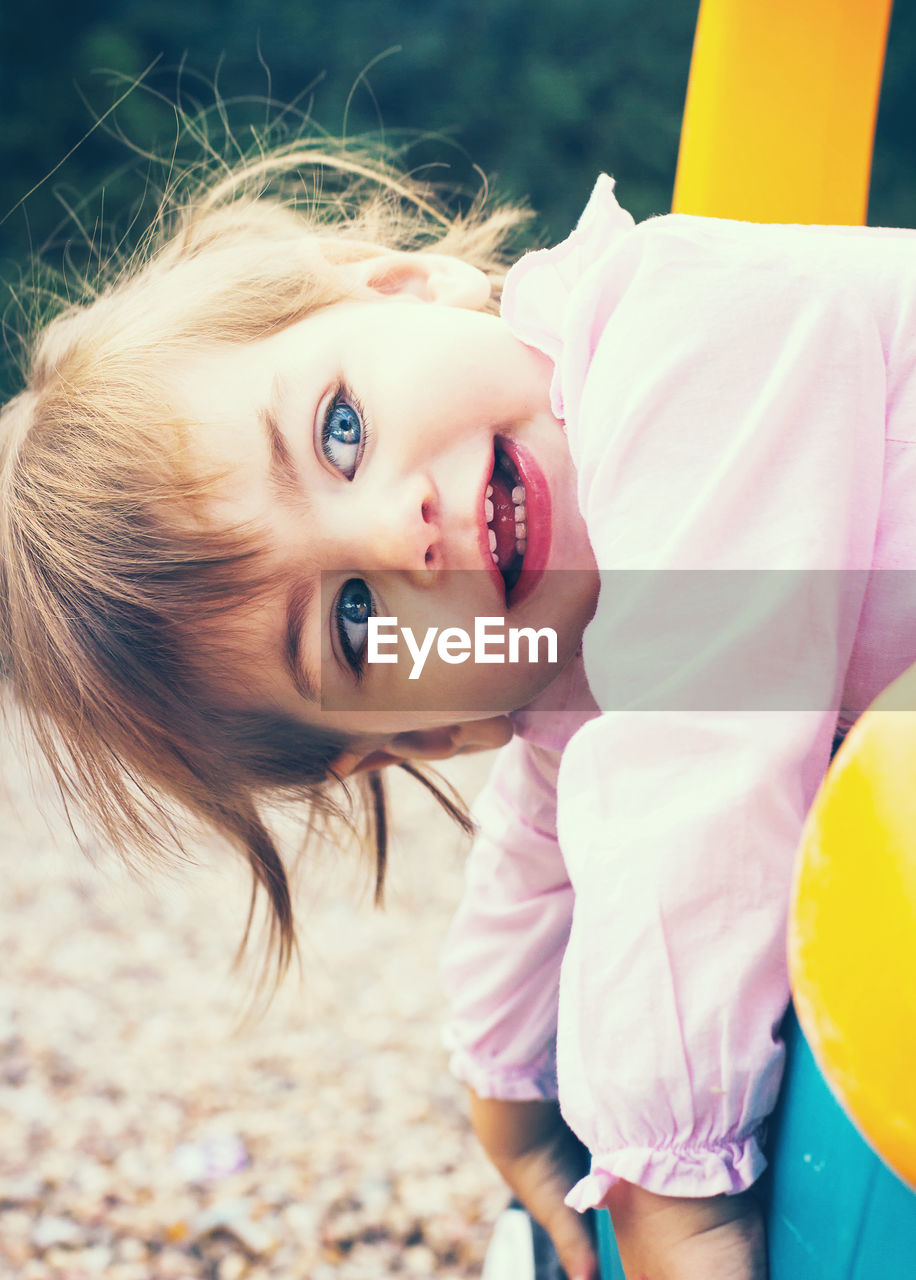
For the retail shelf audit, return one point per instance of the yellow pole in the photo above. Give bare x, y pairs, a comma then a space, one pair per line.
780, 114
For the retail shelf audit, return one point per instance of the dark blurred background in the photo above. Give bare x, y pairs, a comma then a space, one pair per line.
541, 94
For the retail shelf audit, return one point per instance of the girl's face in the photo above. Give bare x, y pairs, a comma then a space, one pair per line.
365, 439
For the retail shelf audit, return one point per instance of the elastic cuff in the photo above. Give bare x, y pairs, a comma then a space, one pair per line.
534, 1082
726, 1169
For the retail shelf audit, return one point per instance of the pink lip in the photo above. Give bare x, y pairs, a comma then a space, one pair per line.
537, 504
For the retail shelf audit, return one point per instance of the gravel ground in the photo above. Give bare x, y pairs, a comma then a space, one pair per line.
143, 1136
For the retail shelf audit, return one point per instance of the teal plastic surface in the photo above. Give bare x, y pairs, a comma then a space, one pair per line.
607, 1249
834, 1210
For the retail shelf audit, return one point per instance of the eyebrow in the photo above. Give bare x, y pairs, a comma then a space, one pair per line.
285, 479
297, 606
282, 470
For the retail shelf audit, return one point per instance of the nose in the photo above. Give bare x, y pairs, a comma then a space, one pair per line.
401, 530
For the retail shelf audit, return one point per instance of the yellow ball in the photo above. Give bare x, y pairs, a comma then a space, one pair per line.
852, 931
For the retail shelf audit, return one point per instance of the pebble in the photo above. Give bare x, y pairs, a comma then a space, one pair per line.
48, 1232
148, 1137
236, 1218
232, 1267
94, 1262
130, 1250
172, 1265
20, 1190
419, 1260
211, 1158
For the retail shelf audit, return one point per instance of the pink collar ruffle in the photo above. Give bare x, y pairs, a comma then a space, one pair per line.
538, 287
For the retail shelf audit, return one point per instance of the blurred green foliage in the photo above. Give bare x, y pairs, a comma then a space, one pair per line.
540, 95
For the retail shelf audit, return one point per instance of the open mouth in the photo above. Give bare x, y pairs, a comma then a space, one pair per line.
506, 515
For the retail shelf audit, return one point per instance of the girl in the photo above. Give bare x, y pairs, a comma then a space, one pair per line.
284, 422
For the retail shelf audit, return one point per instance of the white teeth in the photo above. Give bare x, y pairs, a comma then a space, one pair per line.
520, 514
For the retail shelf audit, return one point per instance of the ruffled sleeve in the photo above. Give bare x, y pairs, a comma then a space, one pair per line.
501, 962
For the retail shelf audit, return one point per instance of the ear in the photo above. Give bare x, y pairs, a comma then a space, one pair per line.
427, 744
431, 277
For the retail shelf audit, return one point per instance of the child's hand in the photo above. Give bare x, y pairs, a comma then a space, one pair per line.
659, 1237
540, 1158
666, 1238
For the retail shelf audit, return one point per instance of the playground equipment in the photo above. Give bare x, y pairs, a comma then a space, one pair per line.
852, 941
780, 113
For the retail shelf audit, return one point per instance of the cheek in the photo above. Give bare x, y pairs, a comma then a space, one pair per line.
499, 675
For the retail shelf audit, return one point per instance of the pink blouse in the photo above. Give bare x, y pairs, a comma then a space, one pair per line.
737, 397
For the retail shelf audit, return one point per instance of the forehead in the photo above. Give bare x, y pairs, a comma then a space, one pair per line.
225, 384
230, 396
228, 386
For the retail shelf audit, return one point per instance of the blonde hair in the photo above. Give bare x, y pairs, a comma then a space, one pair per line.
107, 565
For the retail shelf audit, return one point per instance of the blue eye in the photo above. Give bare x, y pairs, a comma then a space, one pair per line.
343, 435
354, 609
